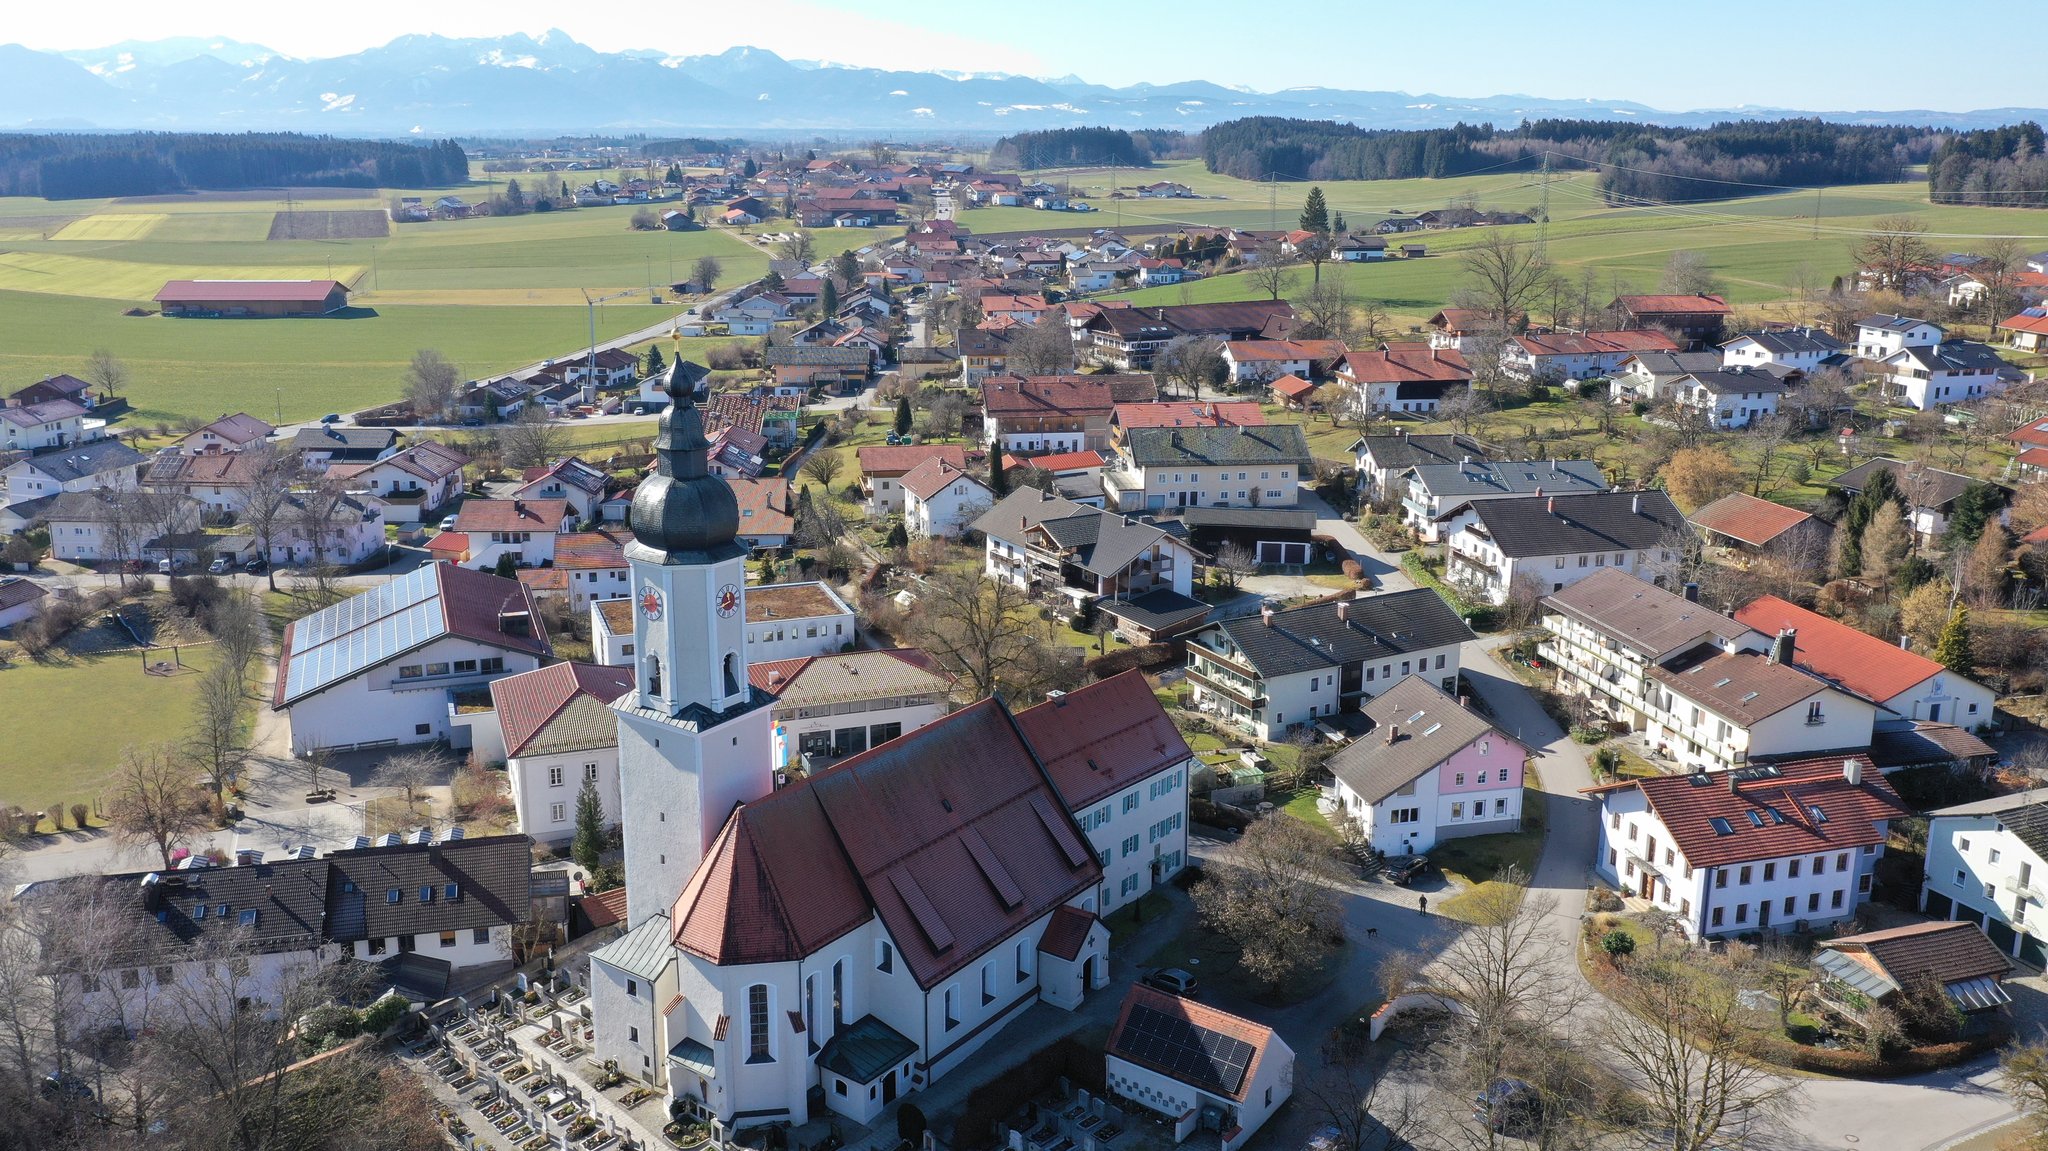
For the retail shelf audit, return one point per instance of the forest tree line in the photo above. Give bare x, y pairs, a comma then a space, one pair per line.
1084, 148
1997, 167
1636, 161
66, 167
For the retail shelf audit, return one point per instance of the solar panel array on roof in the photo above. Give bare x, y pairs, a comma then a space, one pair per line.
361, 631
1195, 1055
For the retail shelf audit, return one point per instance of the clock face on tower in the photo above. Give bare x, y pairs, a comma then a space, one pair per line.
728, 600
650, 603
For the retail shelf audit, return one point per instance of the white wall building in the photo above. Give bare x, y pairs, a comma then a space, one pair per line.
828, 707
1987, 862
1247, 1071
1552, 542
1881, 336
941, 500
558, 732
1429, 770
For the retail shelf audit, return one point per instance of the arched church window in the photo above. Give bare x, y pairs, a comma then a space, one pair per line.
732, 674
651, 670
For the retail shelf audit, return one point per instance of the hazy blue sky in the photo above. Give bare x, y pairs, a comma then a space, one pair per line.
1820, 54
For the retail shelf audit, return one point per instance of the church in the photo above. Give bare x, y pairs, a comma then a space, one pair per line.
843, 940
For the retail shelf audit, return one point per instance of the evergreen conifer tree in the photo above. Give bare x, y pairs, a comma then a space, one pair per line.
1952, 651
998, 479
1315, 215
902, 415
588, 848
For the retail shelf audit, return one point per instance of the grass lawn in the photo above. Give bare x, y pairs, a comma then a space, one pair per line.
1126, 920
48, 763
1213, 960
1302, 806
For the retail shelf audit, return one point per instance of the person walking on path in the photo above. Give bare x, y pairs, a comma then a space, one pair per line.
1422, 904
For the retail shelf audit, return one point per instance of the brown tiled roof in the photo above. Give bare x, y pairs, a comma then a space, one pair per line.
1595, 343
789, 601
606, 907
1673, 305
600, 549
18, 590
227, 468
1744, 686
953, 860
931, 477
208, 291
1188, 414
1949, 951
1066, 932
529, 703
1045, 395
1687, 805
1861, 663
1197, 1015
543, 579
513, 515
1407, 363
1744, 517
896, 459
814, 679
1097, 740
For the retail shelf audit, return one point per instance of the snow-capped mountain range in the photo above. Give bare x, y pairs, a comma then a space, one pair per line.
436, 86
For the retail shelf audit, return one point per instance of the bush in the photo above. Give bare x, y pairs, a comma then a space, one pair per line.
383, 1013
1589, 735
1151, 655
1618, 945
1352, 570
78, 814
1606, 761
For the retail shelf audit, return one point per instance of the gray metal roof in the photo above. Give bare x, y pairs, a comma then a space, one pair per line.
1415, 727
1195, 447
1273, 519
1155, 609
1403, 450
1508, 478
646, 951
1605, 521
1791, 341
84, 460
1375, 627
1642, 616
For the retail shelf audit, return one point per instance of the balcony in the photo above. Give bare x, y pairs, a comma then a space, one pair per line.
1240, 692
2022, 890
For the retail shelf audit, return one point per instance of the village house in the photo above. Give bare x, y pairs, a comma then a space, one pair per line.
1355, 249
1409, 378
1127, 338
375, 669
1905, 684
1603, 634
105, 463
1729, 398
1381, 459
105, 524
1263, 361
736, 453
334, 444
1170, 467
1717, 709
556, 731
588, 566
415, 484
1647, 377
1551, 542
1452, 327
1558, 356
1429, 770
2028, 330
883, 466
221, 482
1275, 672
569, 479
1043, 543
1183, 1060
1797, 349
940, 499
43, 426
767, 511
983, 353
431, 914
1696, 320
1951, 372
1791, 846
226, 434
319, 527
828, 707
1879, 968
1884, 335
835, 369
20, 598
1045, 413
1434, 489
1930, 493
1983, 859
607, 368
526, 530
1075, 475
62, 386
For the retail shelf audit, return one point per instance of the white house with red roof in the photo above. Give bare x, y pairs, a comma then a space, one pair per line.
941, 500
1558, 356
883, 466
557, 731
569, 479
524, 529
828, 707
1187, 1062
1404, 377
377, 669
1908, 685
414, 485
1788, 846
230, 433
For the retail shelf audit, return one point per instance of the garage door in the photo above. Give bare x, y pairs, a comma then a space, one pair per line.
2033, 951
1276, 552
1965, 911
2002, 934
1938, 905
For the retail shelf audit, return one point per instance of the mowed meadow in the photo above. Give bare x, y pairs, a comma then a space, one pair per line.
492, 294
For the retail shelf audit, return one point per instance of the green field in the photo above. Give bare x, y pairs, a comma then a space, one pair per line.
45, 763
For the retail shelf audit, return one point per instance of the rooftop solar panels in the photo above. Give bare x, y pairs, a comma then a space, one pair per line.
1192, 1054
359, 632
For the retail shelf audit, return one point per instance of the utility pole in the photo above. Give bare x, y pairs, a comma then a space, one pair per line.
590, 303
1272, 200
1543, 212
1816, 213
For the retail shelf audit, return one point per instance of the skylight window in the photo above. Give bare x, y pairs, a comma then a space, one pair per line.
1750, 696
1776, 815
1432, 729
427, 893
393, 895
199, 912
452, 893
221, 911
1818, 815
1416, 717
1755, 819
249, 917
1721, 826
1724, 681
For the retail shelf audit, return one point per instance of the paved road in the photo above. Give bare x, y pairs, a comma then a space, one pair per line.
1923, 1113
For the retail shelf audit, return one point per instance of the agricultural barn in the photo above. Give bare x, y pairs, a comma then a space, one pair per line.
252, 297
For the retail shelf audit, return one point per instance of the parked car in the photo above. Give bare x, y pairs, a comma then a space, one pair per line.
448, 523
331, 418
166, 567
1405, 869
1509, 1107
255, 565
1173, 981
219, 566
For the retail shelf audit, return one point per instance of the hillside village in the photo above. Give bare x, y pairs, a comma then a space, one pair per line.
986, 710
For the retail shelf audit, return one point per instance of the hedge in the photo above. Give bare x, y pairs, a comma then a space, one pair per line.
1150, 656
1860, 1064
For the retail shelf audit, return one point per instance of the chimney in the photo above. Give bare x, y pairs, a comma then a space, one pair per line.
1266, 616
1343, 611
1852, 770
1635, 504
1549, 505
1692, 593
1781, 645
519, 507
1393, 733
1734, 784
1905, 643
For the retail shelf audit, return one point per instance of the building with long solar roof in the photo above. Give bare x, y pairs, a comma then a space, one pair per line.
376, 669
1200, 1068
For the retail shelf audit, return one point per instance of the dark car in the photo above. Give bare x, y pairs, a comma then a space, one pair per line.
331, 418
1509, 1107
1173, 981
1405, 869
255, 565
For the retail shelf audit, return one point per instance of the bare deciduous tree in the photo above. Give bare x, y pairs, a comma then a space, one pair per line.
1502, 277
430, 382
413, 771
977, 629
1688, 273
1188, 362
106, 372
704, 273
152, 803
532, 438
214, 741
1268, 269
1042, 349
823, 466
1271, 893
1234, 563
1893, 250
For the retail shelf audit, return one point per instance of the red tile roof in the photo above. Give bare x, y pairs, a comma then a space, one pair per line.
1259, 351
2037, 536
950, 835
1045, 395
1188, 414
2033, 435
543, 579
1596, 343
598, 550
1066, 932
1258, 1036
1098, 740
1674, 305
2031, 320
931, 477
1055, 461
449, 544
527, 701
1861, 663
1292, 386
765, 506
1951, 952
1687, 804
896, 459
1744, 517
605, 908
512, 515
1406, 363
2035, 457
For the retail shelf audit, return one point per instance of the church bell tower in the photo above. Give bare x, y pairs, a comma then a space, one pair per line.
694, 738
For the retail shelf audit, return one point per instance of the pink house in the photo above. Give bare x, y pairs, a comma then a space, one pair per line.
1430, 770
